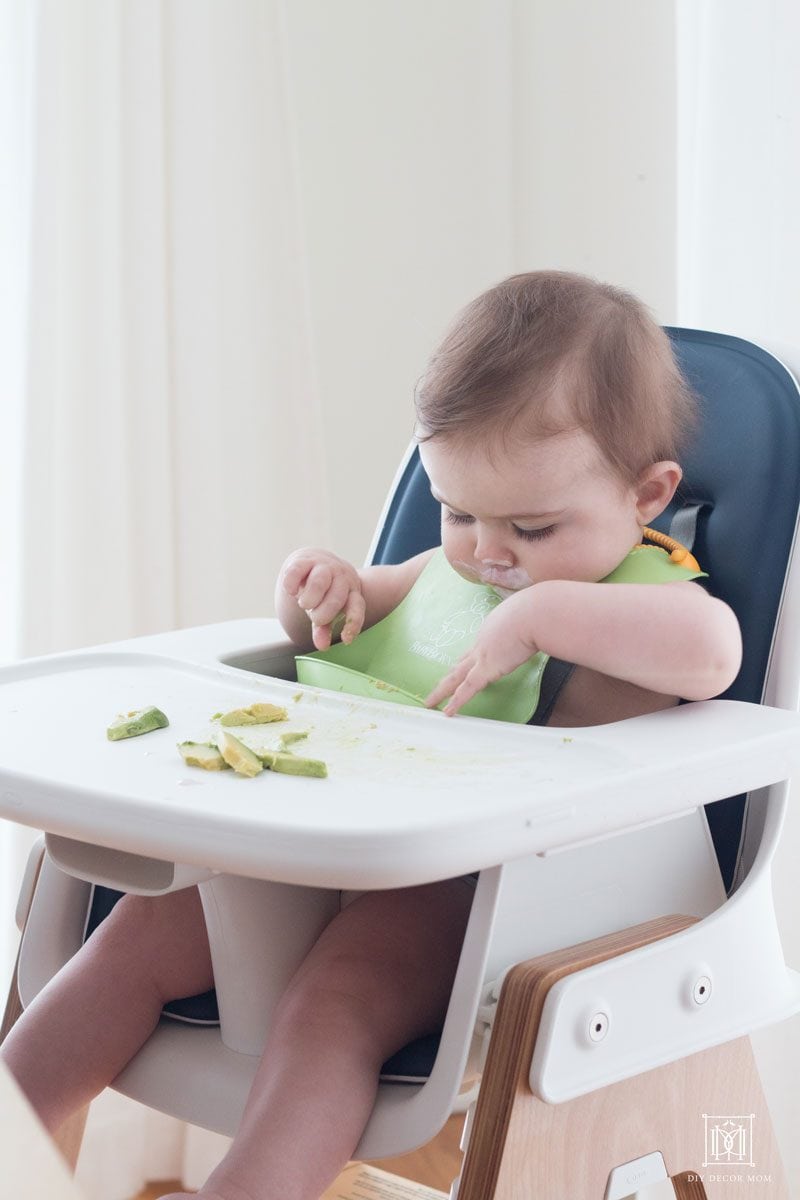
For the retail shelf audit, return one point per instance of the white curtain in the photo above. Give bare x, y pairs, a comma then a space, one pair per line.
167, 454
170, 400
15, 141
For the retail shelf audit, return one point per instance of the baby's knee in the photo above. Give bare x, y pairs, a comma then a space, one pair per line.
334, 989
357, 998
162, 938
146, 920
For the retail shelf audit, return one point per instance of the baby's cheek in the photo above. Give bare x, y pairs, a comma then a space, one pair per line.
563, 562
457, 549
463, 568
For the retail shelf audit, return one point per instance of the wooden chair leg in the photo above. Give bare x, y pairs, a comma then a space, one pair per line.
69, 1137
521, 1146
688, 1186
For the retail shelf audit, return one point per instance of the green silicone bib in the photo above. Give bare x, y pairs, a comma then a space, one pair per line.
403, 657
650, 564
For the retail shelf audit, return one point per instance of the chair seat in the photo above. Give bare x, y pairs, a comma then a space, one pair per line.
412, 1064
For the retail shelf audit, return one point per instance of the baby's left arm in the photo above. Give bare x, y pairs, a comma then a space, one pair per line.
670, 638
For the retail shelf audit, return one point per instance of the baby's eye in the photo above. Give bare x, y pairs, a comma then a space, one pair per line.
535, 535
457, 518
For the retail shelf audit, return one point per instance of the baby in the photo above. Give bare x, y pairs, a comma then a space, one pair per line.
549, 422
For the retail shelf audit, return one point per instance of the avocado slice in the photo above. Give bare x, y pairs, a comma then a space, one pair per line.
286, 763
255, 714
239, 756
202, 754
288, 739
132, 724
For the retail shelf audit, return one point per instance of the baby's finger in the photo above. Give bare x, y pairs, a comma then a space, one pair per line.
315, 587
354, 614
332, 603
445, 687
470, 687
321, 636
295, 575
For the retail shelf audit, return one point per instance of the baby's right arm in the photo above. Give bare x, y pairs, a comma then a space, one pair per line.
315, 586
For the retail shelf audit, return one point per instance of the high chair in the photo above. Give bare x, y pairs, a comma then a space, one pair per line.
622, 942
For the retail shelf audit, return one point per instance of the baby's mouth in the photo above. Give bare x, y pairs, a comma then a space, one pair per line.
505, 580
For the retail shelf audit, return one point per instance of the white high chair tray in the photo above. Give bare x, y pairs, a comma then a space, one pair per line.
411, 795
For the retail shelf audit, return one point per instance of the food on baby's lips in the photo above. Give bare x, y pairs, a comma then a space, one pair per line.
239, 756
255, 714
202, 754
286, 763
132, 724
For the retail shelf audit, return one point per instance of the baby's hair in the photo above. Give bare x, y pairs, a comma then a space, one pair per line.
548, 351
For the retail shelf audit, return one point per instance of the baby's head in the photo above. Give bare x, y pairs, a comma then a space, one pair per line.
550, 421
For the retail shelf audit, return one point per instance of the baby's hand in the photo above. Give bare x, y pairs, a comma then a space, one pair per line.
503, 644
325, 586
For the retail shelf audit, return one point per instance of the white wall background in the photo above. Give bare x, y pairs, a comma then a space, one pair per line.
439, 153
739, 168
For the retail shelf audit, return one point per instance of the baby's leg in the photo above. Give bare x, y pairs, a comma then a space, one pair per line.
91, 1019
379, 976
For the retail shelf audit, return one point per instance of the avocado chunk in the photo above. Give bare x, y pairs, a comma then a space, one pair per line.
288, 739
286, 763
132, 724
239, 756
292, 764
202, 754
255, 714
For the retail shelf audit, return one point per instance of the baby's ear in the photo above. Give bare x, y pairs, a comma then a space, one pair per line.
655, 488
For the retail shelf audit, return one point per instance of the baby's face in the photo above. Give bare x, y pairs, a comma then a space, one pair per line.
550, 509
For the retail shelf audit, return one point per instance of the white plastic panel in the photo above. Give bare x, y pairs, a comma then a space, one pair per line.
54, 930
120, 869
709, 984
596, 889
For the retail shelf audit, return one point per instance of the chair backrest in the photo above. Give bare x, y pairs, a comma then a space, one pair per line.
743, 469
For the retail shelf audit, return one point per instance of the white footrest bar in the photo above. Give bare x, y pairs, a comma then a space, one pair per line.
628, 1181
